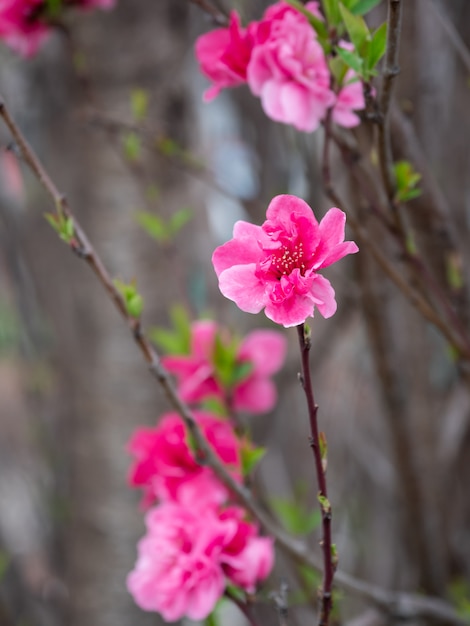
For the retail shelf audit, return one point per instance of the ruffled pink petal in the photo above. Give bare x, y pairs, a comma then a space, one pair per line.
332, 246
255, 395
240, 284
300, 107
266, 349
323, 296
281, 208
291, 311
243, 248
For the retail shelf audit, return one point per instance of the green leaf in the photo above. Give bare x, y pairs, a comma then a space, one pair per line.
182, 325
241, 371
377, 46
338, 68
139, 104
53, 8
294, 517
132, 146
214, 405
168, 147
153, 226
133, 301
355, 25
325, 504
168, 341
250, 457
361, 7
179, 219
225, 361
351, 59
332, 12
406, 180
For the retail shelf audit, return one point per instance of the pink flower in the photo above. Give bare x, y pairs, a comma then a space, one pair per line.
166, 468
275, 266
288, 69
178, 571
350, 97
223, 55
21, 27
263, 350
190, 553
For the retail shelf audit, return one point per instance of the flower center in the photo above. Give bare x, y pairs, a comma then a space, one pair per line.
285, 260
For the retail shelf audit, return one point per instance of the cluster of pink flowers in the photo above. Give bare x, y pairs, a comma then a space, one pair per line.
197, 542
275, 266
25, 24
282, 62
257, 357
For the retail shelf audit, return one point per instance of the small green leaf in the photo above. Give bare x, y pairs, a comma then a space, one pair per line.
406, 180
294, 517
179, 219
332, 12
241, 371
351, 59
325, 504
153, 226
53, 8
377, 46
361, 7
168, 147
168, 341
250, 457
132, 299
319, 26
139, 104
214, 405
225, 360
355, 25
182, 325
338, 68
132, 146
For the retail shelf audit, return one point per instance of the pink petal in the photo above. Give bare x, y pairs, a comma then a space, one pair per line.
240, 284
332, 246
281, 208
301, 109
266, 349
323, 296
292, 311
203, 335
255, 395
243, 248
203, 599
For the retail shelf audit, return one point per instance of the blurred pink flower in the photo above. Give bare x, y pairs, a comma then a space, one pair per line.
178, 573
255, 392
223, 55
21, 27
288, 69
190, 553
350, 97
11, 175
275, 266
165, 466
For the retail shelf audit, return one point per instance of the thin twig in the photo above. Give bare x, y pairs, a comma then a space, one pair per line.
243, 606
218, 16
315, 444
391, 69
399, 605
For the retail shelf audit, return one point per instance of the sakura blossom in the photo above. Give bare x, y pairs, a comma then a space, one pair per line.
275, 266
288, 70
263, 351
190, 554
165, 467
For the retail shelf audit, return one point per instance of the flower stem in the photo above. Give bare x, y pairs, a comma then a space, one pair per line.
315, 444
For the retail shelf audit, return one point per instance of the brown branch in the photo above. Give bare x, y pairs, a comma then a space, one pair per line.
399, 605
315, 444
218, 16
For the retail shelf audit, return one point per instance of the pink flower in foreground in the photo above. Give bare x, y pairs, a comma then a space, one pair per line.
189, 554
223, 55
275, 266
20, 25
263, 350
165, 466
288, 69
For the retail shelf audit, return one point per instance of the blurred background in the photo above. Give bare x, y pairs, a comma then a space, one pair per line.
394, 401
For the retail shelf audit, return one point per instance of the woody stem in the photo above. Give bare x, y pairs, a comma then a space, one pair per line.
328, 565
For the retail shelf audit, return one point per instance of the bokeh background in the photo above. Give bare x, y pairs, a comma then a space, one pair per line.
394, 403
